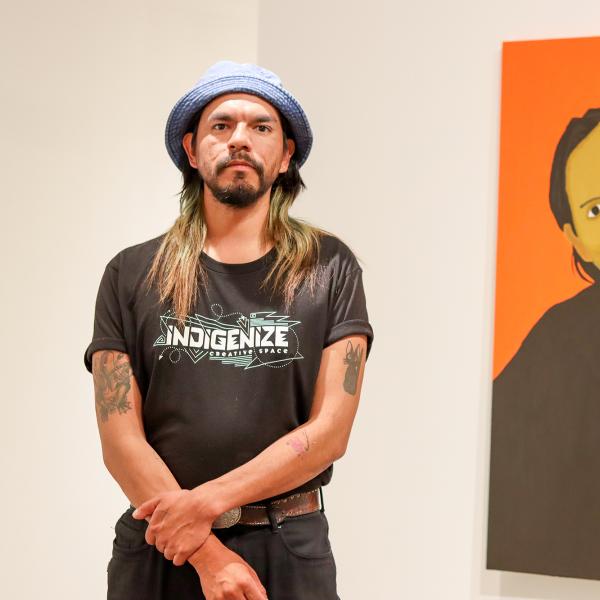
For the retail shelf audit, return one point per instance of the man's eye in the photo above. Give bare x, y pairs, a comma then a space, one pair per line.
266, 128
219, 125
594, 211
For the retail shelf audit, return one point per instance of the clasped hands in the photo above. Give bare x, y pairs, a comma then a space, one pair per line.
180, 522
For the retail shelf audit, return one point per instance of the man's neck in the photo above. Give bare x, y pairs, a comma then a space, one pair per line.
236, 235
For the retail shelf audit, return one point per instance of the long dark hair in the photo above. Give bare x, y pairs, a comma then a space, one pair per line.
177, 266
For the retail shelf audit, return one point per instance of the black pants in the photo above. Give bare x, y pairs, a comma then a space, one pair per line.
293, 561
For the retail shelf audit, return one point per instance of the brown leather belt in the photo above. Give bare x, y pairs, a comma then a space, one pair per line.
273, 514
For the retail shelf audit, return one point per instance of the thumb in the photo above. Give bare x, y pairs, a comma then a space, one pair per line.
146, 508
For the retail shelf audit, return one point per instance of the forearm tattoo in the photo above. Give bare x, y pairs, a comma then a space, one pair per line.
299, 446
353, 360
112, 373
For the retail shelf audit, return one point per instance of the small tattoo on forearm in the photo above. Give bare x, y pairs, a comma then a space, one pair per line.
299, 446
353, 359
112, 372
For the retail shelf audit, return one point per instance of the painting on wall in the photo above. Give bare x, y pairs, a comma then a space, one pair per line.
544, 487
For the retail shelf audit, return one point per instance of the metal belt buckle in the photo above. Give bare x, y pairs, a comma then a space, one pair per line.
228, 518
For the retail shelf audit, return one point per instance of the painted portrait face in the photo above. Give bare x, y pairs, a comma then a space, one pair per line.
583, 191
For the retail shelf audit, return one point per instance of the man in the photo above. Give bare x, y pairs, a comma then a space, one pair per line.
228, 356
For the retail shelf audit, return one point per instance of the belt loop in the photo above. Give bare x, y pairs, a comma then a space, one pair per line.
321, 494
272, 518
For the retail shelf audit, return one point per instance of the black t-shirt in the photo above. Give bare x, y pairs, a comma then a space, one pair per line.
241, 374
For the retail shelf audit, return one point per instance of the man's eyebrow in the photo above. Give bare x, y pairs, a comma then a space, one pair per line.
227, 117
590, 200
264, 119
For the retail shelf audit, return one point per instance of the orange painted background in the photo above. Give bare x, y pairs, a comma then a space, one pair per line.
544, 84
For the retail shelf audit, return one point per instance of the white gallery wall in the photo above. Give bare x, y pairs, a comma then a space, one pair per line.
403, 99
86, 91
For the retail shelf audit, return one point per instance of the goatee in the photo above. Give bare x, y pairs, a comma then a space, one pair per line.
239, 193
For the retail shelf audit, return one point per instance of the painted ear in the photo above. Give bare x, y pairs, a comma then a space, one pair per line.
576, 242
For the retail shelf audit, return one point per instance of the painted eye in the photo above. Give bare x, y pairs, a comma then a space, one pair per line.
594, 211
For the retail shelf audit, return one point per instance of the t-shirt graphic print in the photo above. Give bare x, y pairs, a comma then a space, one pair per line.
260, 339
240, 372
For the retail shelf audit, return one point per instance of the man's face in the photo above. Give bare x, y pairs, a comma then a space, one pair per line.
239, 127
583, 191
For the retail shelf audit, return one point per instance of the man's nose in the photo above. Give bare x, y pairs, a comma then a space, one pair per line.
239, 137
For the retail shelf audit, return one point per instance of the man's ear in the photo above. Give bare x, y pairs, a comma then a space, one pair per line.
285, 163
576, 242
186, 142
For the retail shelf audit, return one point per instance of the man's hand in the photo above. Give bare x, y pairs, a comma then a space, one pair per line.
180, 523
225, 574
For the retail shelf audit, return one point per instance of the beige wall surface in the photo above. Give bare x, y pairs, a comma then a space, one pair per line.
86, 91
403, 99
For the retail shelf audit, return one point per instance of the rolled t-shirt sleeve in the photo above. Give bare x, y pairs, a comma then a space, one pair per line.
348, 313
108, 322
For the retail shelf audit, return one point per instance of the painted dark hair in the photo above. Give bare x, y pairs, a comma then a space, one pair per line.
577, 130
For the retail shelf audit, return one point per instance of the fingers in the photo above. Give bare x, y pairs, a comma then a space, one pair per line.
150, 536
154, 527
152, 533
146, 508
180, 558
177, 554
158, 516
169, 555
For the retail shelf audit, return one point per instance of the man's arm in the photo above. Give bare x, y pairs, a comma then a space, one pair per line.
133, 463
138, 469
310, 448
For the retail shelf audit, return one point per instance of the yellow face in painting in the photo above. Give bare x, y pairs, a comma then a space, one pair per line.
583, 191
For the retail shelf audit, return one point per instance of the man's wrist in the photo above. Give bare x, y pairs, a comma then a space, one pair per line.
209, 499
199, 558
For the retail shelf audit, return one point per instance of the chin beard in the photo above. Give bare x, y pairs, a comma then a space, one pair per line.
238, 194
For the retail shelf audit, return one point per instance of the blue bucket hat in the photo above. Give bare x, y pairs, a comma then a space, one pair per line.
225, 77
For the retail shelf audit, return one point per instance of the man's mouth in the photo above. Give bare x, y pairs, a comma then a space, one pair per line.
240, 164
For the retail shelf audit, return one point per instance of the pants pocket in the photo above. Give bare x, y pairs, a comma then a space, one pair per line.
132, 567
130, 536
307, 536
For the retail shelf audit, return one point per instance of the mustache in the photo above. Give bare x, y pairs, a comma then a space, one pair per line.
223, 165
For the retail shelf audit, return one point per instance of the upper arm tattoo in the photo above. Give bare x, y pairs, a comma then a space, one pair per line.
112, 373
353, 359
